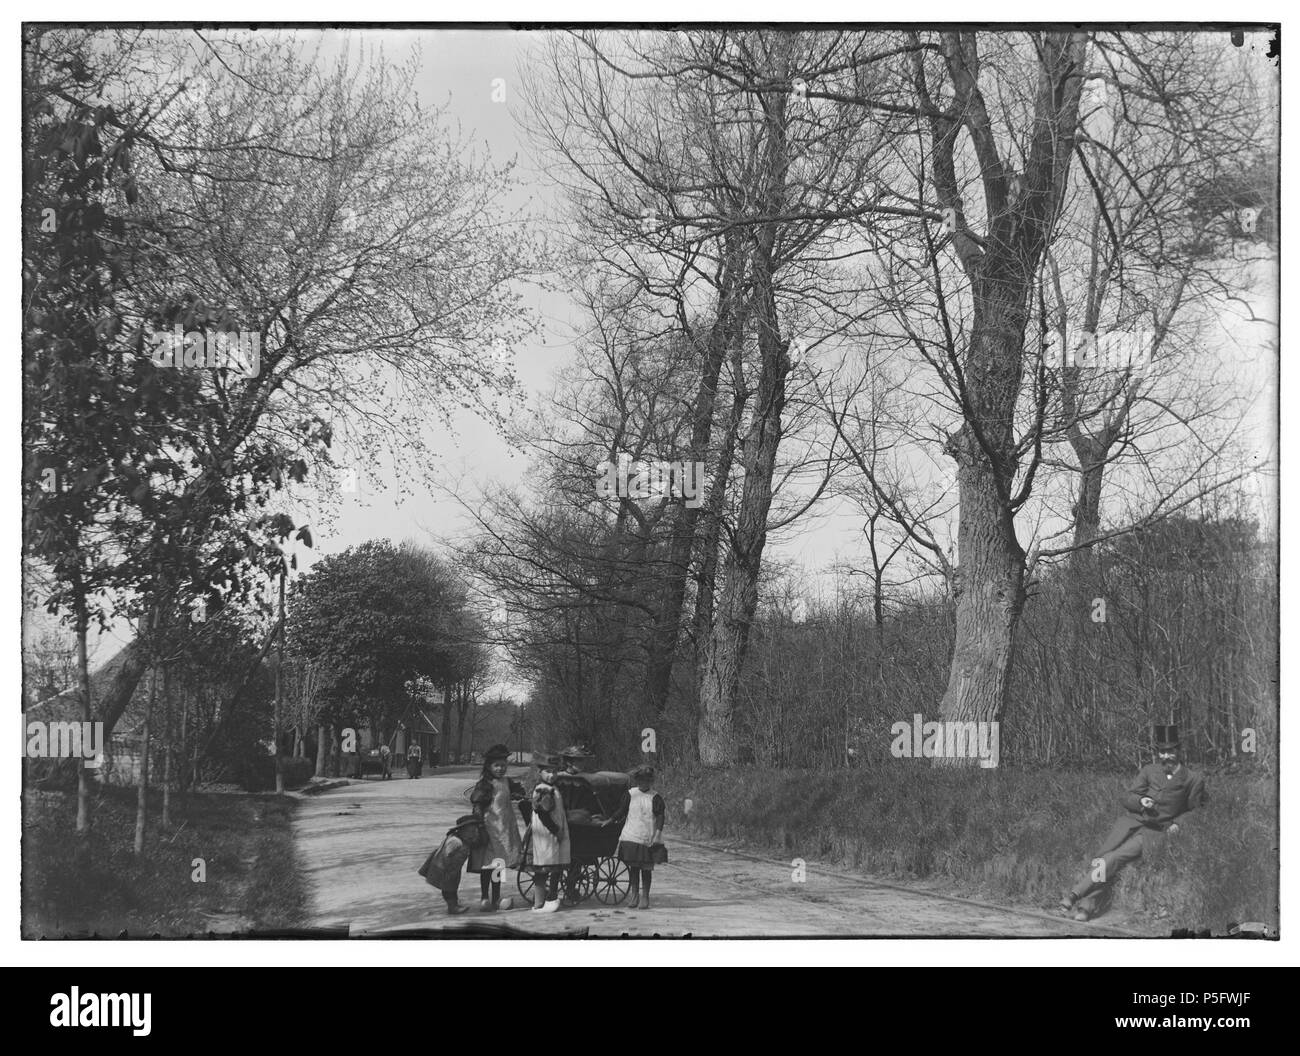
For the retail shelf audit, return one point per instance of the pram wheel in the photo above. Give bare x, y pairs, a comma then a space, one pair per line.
612, 882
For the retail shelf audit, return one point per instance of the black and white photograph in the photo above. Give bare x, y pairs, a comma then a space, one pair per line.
649, 480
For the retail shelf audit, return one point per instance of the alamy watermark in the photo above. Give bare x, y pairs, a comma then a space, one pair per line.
76, 1009
1117, 350
64, 740
651, 480
238, 351
949, 739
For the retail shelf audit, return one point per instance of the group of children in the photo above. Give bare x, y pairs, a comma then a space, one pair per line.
488, 839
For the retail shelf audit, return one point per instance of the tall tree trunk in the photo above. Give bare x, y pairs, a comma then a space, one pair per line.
724, 653
711, 535
185, 771
279, 694
989, 583
990, 577
724, 334
462, 711
321, 750
142, 794
83, 678
167, 750
444, 735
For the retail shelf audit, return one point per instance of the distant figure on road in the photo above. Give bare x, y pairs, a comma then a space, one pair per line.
493, 800
414, 761
1162, 792
385, 762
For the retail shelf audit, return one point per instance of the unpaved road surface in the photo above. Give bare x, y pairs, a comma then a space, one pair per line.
361, 847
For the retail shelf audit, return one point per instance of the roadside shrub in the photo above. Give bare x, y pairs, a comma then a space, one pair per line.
257, 773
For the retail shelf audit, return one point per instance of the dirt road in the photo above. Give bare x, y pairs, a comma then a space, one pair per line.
361, 846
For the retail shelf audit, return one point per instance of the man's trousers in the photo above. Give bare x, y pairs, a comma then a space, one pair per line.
1124, 845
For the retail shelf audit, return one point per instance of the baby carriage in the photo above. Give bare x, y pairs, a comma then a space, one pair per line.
594, 867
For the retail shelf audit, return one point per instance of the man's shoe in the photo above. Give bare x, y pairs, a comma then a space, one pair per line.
1066, 905
552, 906
1080, 915
456, 910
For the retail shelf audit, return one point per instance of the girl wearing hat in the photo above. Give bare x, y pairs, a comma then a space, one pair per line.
642, 831
493, 800
549, 828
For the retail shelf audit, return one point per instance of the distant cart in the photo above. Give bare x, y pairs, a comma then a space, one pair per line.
594, 867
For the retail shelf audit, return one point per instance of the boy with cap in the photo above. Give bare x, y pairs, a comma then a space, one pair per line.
442, 868
1162, 792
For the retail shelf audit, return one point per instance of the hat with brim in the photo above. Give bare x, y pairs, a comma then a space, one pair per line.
546, 760
642, 772
466, 820
1165, 737
497, 751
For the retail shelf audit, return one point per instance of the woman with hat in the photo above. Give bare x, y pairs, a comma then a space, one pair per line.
493, 799
1162, 792
549, 830
642, 833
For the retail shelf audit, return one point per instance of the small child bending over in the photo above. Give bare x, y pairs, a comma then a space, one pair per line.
641, 840
443, 867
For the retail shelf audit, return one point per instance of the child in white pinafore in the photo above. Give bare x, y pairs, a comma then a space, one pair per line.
549, 827
642, 831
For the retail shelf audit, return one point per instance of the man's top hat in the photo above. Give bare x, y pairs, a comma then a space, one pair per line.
1165, 736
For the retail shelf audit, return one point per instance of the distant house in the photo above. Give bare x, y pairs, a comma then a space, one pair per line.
415, 727
122, 754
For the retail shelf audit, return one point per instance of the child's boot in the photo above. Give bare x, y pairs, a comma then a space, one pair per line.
553, 906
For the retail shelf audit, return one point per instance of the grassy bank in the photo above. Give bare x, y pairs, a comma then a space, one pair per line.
1008, 836
97, 887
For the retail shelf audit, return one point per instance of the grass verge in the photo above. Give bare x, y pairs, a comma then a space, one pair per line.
1016, 837
95, 886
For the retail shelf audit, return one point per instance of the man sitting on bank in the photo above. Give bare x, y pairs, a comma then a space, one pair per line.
1162, 792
